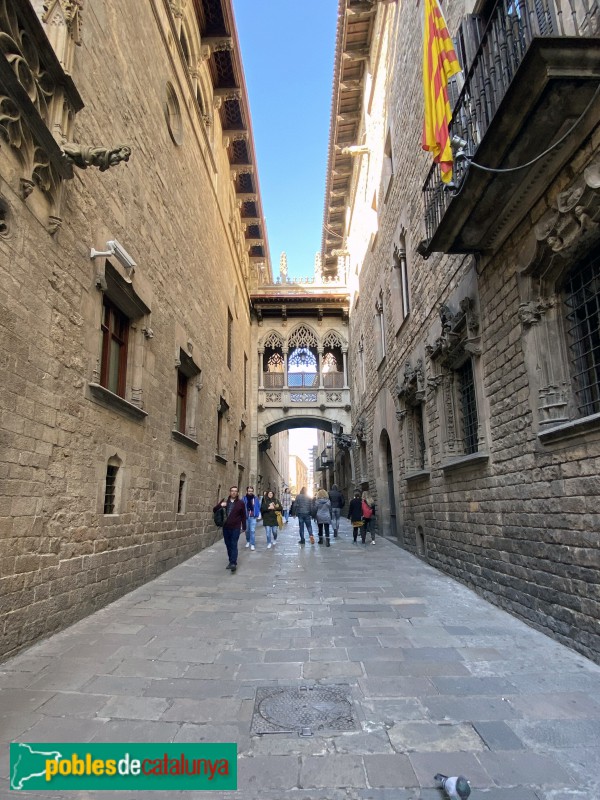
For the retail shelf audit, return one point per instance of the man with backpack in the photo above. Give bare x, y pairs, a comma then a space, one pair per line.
231, 513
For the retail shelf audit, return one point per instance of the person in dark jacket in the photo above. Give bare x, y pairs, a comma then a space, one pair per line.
269, 508
252, 504
356, 518
337, 503
235, 522
303, 508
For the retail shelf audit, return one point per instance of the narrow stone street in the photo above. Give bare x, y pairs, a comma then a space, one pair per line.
439, 679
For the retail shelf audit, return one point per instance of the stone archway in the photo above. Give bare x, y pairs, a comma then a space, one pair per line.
387, 522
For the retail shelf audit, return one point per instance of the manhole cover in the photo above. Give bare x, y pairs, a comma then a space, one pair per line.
291, 709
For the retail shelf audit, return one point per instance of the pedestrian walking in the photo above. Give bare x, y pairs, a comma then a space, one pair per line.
323, 515
235, 522
368, 512
252, 505
338, 501
355, 515
286, 503
303, 508
269, 508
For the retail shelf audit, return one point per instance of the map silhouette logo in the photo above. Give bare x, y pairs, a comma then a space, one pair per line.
28, 764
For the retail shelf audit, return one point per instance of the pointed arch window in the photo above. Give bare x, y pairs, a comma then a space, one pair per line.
330, 363
185, 48
303, 359
303, 368
333, 367
273, 365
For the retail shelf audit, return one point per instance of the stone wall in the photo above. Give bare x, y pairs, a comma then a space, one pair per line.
519, 526
171, 207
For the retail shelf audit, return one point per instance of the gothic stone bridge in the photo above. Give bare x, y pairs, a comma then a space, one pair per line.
301, 337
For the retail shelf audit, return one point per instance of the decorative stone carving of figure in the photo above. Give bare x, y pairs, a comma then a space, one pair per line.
101, 157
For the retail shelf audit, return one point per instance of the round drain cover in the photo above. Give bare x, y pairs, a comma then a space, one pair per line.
318, 708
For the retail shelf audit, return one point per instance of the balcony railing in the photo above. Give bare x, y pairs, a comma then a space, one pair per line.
308, 380
303, 380
333, 380
295, 396
512, 27
273, 380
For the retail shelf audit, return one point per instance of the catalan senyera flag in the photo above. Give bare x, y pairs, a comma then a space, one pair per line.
439, 65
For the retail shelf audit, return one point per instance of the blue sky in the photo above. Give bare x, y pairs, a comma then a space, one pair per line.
287, 51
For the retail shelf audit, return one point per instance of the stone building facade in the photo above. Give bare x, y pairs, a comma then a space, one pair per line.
125, 392
298, 475
475, 311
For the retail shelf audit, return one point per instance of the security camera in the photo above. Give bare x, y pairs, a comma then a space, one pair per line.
458, 141
118, 251
121, 254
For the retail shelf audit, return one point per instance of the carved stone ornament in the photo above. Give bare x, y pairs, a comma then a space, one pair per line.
532, 311
411, 388
38, 101
361, 429
4, 217
224, 45
54, 224
433, 382
568, 230
62, 19
102, 157
460, 335
177, 8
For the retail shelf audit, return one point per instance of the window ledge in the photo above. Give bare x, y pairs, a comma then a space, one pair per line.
470, 460
183, 439
568, 430
108, 399
400, 325
221, 459
417, 475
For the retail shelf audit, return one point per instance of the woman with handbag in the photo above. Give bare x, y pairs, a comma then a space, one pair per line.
269, 509
368, 513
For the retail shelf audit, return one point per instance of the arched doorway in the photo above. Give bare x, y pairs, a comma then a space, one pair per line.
388, 525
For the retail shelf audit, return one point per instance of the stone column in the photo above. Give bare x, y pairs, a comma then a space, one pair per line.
320, 366
345, 359
261, 382
285, 351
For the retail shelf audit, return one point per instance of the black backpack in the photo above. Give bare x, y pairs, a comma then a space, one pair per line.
219, 516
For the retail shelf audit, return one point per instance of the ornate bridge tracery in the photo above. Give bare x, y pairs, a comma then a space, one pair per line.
301, 336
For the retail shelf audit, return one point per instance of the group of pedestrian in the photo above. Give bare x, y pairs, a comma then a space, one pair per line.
235, 514
326, 510
361, 513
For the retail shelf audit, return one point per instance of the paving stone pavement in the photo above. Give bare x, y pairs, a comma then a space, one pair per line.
441, 681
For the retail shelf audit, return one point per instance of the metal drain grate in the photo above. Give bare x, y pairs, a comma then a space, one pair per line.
290, 709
